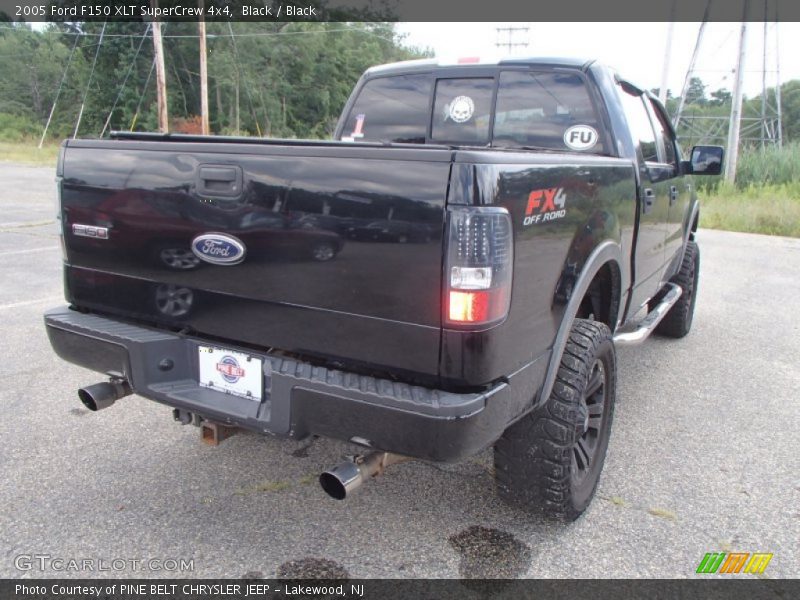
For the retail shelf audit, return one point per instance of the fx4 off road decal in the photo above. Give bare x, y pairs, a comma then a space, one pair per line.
545, 205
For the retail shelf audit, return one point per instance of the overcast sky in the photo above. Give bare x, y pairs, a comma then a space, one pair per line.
636, 50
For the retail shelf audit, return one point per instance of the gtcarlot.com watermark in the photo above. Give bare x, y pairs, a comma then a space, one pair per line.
60, 564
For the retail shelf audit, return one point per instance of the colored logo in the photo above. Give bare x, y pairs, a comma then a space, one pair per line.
580, 137
734, 562
218, 249
545, 205
229, 369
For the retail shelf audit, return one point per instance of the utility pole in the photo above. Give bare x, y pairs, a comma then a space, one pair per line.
764, 127
690, 70
778, 84
201, 27
161, 81
662, 92
511, 32
736, 109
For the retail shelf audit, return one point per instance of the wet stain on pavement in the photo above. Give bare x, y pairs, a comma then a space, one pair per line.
253, 575
490, 553
78, 412
312, 568
302, 451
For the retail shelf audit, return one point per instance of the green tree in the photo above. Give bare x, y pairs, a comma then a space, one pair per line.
696, 92
31, 69
790, 108
265, 78
721, 97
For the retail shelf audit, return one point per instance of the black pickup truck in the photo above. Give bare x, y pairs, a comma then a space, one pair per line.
452, 272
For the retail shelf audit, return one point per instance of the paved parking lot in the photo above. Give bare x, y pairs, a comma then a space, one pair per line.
703, 456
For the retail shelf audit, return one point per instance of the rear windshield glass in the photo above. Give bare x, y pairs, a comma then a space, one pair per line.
390, 109
534, 109
462, 110
545, 110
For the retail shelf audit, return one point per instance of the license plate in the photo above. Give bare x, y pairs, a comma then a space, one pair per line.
231, 372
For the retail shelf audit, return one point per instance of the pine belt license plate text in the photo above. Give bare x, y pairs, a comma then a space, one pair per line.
236, 373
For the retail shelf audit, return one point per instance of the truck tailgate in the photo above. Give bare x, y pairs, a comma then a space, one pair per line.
341, 244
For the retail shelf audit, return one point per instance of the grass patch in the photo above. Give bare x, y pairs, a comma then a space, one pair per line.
772, 209
662, 513
264, 486
770, 165
29, 152
308, 479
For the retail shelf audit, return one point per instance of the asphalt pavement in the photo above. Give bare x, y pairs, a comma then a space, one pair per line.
703, 455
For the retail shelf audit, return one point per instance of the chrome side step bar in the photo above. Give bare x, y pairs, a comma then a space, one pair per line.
651, 321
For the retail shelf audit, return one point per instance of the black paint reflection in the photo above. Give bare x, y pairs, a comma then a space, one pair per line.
328, 241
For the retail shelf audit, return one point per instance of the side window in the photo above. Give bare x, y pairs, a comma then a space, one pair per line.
462, 109
393, 109
640, 124
665, 132
546, 110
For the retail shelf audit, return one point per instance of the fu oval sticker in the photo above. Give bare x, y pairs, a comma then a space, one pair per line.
218, 249
580, 137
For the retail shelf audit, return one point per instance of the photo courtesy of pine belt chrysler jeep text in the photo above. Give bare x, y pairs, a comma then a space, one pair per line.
452, 272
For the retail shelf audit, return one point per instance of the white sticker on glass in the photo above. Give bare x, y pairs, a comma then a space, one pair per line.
461, 109
580, 137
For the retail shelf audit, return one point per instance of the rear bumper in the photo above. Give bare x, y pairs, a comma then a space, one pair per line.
299, 399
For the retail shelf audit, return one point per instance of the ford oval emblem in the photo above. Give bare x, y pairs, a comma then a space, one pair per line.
218, 249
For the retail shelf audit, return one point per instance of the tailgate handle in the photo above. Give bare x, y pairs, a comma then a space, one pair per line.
219, 180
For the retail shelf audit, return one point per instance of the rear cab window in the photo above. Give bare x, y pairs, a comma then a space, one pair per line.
462, 111
546, 110
391, 109
507, 108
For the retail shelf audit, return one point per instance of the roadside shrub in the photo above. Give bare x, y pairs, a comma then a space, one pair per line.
16, 128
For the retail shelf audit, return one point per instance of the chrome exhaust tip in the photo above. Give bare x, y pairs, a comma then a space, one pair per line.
343, 479
102, 395
346, 477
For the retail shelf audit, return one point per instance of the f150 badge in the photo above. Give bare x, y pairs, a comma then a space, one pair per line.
90, 231
218, 249
545, 205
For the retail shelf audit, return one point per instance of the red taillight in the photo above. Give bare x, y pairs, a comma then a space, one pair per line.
468, 307
478, 267
469, 60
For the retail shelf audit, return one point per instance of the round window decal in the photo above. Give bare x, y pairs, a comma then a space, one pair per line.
461, 109
580, 137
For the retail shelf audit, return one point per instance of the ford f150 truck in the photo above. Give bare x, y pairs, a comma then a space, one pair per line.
452, 272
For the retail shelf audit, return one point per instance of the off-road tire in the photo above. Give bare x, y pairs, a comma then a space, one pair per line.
678, 321
536, 459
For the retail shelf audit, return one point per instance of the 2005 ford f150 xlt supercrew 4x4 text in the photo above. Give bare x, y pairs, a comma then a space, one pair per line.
453, 272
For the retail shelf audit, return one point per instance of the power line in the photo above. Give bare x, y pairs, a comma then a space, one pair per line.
141, 98
58, 93
210, 35
125, 80
89, 83
246, 88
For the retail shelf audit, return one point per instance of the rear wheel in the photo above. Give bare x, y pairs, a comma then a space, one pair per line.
176, 258
550, 461
323, 251
678, 320
173, 301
